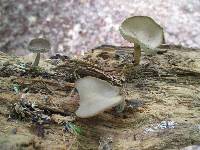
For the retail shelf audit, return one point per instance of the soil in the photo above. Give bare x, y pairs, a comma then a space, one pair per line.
162, 101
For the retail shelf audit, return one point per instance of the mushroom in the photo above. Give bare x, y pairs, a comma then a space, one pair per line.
144, 32
96, 96
39, 45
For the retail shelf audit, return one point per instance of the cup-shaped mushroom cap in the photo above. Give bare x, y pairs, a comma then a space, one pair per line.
96, 96
142, 30
39, 45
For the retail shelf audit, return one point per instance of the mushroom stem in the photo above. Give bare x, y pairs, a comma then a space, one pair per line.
37, 60
137, 54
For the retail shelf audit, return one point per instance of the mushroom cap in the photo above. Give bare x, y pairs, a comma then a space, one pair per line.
96, 96
142, 30
39, 45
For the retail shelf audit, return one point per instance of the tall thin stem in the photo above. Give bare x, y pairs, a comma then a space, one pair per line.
137, 54
37, 60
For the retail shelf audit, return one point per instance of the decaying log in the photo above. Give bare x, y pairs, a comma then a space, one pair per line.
162, 95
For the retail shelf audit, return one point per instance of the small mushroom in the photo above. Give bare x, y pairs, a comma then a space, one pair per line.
96, 96
144, 32
39, 45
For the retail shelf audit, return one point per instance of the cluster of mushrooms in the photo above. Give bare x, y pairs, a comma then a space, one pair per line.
97, 95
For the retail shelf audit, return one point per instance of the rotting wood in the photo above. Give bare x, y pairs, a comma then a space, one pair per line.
167, 83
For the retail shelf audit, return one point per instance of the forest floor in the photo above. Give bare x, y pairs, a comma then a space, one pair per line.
74, 26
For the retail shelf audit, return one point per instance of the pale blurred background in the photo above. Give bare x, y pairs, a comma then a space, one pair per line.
74, 26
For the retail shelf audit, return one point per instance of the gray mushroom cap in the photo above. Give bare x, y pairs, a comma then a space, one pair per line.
96, 96
142, 30
39, 45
